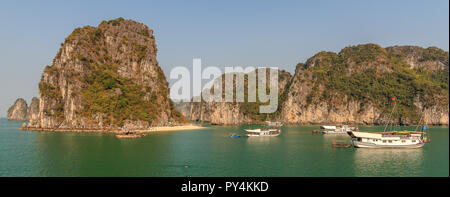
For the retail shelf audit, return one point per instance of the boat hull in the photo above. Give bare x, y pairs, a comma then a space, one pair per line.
269, 135
372, 145
335, 132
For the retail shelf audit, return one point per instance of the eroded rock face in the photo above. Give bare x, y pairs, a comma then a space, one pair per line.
314, 97
184, 108
18, 111
228, 113
105, 77
33, 109
355, 86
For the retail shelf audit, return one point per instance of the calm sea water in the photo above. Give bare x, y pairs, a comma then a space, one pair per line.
211, 152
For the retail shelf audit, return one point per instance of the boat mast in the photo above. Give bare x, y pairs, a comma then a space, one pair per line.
420, 121
389, 120
423, 127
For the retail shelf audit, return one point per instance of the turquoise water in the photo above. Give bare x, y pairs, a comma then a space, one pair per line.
211, 152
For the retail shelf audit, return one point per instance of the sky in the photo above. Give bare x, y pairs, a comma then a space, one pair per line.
221, 33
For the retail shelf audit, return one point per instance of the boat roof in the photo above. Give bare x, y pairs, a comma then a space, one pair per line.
367, 135
253, 130
260, 130
374, 135
405, 132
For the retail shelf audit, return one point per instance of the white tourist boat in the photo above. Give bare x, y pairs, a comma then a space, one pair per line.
337, 129
393, 139
327, 127
389, 139
263, 132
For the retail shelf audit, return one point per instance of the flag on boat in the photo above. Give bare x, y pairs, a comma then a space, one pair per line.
393, 99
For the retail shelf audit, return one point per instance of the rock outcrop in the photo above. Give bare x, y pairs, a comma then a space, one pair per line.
235, 112
184, 108
18, 111
354, 86
33, 109
105, 78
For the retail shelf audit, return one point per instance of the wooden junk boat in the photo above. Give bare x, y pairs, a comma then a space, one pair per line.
263, 132
390, 139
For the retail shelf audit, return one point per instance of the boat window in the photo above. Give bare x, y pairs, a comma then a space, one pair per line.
390, 141
403, 141
414, 141
359, 139
384, 141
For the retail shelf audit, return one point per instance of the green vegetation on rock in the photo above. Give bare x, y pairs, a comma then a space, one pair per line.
109, 76
396, 80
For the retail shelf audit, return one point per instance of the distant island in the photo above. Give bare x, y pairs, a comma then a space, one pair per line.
20, 111
106, 78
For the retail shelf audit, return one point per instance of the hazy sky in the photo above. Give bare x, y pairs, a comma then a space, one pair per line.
225, 33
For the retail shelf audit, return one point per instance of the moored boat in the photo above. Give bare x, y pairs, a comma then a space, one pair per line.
263, 132
234, 135
393, 139
337, 129
390, 139
327, 127
130, 134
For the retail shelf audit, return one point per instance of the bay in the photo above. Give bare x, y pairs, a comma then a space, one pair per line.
212, 153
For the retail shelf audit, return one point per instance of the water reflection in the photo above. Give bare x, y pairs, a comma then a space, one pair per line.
388, 162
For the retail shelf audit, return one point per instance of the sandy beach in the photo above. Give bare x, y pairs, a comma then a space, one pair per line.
172, 128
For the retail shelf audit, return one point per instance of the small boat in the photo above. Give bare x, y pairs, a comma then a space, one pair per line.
327, 127
263, 132
337, 129
130, 134
234, 135
341, 144
316, 132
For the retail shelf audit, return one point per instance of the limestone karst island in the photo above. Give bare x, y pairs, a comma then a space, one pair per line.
106, 78
199, 91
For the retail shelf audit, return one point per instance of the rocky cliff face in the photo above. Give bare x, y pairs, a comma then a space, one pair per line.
235, 112
105, 77
18, 111
33, 109
184, 108
356, 85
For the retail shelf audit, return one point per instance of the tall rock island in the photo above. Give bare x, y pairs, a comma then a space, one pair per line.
105, 78
18, 111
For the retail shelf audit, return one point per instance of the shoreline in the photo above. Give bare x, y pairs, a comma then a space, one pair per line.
169, 128
117, 131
